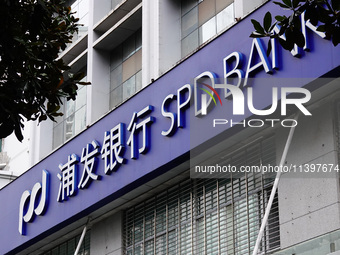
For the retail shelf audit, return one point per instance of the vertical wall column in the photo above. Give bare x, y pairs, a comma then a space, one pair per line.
150, 41
161, 37
169, 34
41, 140
98, 73
309, 201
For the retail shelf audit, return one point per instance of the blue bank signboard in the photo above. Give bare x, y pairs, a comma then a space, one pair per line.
147, 132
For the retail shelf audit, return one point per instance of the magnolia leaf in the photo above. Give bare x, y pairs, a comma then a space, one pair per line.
280, 18
29, 61
299, 38
336, 36
296, 3
336, 5
267, 21
84, 83
269, 48
287, 2
259, 29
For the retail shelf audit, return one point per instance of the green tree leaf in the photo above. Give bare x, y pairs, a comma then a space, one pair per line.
259, 29
336, 36
296, 3
280, 18
267, 21
320, 13
299, 38
269, 48
287, 2
336, 5
32, 34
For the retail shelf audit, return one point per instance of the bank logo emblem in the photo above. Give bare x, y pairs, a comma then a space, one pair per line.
34, 202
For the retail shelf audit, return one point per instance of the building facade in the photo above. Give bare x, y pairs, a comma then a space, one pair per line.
176, 146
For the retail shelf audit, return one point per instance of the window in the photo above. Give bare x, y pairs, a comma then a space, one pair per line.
202, 20
74, 119
211, 216
126, 66
69, 247
206, 216
81, 11
115, 3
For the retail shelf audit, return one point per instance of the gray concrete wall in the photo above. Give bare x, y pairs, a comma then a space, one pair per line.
106, 236
309, 203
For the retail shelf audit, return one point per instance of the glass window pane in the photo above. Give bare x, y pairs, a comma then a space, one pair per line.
138, 230
116, 77
129, 88
185, 239
83, 8
190, 43
211, 234
75, 8
58, 135
129, 47
59, 119
70, 107
149, 248
115, 3
138, 59
225, 18
71, 246
55, 251
116, 57
138, 39
161, 245
69, 127
80, 120
200, 236
161, 215
139, 81
138, 250
81, 97
187, 5
207, 30
189, 22
87, 243
206, 10
63, 249
172, 213
116, 96
221, 4
129, 67
172, 242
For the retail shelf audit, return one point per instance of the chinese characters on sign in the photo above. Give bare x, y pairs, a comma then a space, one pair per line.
112, 152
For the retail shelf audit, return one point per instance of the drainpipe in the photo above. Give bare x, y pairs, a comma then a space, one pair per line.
275, 186
82, 237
